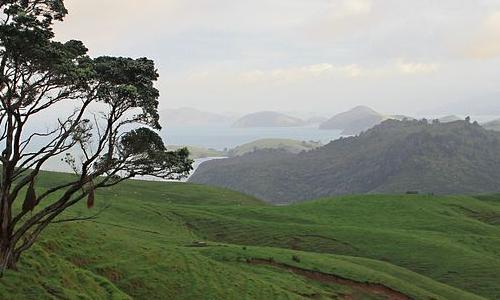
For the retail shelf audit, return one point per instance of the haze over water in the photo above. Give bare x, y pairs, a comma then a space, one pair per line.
220, 136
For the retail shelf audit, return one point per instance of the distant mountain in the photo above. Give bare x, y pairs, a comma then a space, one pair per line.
354, 121
268, 119
393, 157
450, 118
287, 145
190, 116
492, 125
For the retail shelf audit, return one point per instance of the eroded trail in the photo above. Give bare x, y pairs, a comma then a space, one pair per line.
370, 288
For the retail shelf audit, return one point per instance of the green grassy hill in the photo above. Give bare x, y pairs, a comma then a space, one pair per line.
182, 241
287, 145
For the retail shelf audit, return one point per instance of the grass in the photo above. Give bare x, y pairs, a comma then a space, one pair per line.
433, 236
147, 246
288, 145
196, 152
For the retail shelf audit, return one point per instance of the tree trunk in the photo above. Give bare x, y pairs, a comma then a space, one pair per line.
7, 258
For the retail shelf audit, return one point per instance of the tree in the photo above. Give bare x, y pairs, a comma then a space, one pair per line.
108, 137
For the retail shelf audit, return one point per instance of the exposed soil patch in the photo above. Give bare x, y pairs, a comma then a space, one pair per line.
80, 261
111, 274
370, 288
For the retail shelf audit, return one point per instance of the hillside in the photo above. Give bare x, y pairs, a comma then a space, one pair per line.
393, 157
196, 152
353, 121
450, 118
492, 125
182, 241
287, 145
268, 119
453, 240
145, 246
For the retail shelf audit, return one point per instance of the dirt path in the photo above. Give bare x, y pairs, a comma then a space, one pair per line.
370, 288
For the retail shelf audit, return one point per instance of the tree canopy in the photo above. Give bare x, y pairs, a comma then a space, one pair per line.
110, 135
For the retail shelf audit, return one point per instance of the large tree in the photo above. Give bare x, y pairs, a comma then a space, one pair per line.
109, 134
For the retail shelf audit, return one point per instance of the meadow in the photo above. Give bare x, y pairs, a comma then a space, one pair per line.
154, 240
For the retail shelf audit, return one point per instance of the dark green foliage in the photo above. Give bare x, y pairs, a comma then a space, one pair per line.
393, 157
142, 141
129, 83
145, 153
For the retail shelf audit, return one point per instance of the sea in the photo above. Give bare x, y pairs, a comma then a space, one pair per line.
222, 137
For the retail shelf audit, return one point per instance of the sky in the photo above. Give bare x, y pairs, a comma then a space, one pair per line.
397, 56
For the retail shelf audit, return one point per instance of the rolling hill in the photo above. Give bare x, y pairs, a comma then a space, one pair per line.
183, 241
287, 145
393, 157
268, 119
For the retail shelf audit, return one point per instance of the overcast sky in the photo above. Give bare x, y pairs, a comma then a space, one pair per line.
397, 56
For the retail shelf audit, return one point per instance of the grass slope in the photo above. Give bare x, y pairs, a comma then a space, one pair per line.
455, 240
196, 152
287, 145
144, 247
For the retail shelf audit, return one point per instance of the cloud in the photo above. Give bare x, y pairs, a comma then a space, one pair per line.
338, 18
486, 42
313, 72
417, 68
301, 73
105, 24
355, 7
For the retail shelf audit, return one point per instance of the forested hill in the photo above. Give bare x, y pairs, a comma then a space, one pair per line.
393, 157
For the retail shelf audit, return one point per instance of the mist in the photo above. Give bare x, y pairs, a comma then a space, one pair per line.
405, 57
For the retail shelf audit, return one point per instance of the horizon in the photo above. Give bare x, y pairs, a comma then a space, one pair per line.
311, 113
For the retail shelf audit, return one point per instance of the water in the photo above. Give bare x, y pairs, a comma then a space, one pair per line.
223, 136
